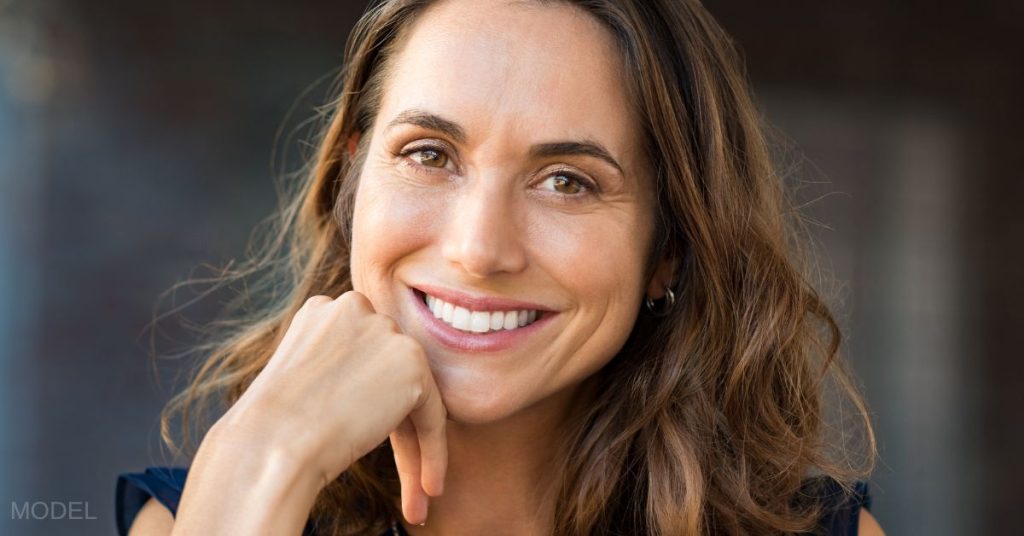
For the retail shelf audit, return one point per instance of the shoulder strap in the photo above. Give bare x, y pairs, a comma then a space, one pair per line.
133, 490
841, 511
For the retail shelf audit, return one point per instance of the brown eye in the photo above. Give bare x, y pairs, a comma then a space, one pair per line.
431, 158
566, 184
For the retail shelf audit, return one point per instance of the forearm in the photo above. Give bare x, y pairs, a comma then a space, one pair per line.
237, 487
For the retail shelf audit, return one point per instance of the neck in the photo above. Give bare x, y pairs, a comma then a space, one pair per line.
502, 476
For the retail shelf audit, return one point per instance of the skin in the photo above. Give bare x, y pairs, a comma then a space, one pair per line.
479, 213
491, 220
488, 218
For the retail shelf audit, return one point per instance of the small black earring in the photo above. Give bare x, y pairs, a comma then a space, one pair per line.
670, 300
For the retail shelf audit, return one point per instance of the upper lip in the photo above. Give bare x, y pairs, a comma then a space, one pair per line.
477, 302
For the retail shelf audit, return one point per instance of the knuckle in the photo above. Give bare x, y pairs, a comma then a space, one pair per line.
410, 348
355, 300
314, 301
416, 392
385, 323
409, 361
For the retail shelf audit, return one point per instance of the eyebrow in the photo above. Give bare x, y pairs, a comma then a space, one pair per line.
583, 148
452, 129
429, 121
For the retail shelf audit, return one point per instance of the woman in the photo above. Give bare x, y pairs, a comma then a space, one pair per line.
541, 258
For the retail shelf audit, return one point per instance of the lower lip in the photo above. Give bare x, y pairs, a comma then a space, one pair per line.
493, 341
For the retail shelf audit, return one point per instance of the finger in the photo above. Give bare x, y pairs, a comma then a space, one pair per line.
317, 300
407, 460
430, 418
356, 300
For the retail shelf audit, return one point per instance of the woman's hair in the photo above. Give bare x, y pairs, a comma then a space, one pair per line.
711, 418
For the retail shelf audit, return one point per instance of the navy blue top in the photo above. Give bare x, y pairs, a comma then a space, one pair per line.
166, 483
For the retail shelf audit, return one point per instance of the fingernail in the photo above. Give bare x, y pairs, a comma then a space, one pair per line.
426, 511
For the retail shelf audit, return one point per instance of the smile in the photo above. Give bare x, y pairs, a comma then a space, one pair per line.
478, 324
464, 319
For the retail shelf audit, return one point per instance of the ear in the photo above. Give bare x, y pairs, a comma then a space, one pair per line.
353, 143
663, 277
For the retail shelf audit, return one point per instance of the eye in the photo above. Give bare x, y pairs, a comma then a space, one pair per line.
567, 184
428, 157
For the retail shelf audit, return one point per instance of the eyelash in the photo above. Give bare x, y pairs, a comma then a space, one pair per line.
589, 186
420, 168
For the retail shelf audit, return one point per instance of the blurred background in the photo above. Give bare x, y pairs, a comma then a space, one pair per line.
136, 141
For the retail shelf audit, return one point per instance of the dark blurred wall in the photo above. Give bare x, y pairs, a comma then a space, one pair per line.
135, 143
909, 109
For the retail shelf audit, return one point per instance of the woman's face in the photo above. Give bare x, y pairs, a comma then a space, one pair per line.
504, 180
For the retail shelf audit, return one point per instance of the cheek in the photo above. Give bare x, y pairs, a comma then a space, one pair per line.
599, 261
598, 257
388, 223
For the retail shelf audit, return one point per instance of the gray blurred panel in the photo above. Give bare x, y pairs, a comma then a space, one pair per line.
885, 178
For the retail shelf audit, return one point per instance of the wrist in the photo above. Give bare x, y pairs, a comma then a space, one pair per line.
237, 486
265, 461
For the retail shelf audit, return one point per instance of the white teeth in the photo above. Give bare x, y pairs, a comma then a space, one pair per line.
460, 320
511, 320
497, 319
478, 321
434, 305
447, 312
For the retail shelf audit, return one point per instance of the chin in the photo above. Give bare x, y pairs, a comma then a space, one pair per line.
474, 414
468, 404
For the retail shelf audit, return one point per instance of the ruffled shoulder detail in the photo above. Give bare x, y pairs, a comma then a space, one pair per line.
840, 509
133, 490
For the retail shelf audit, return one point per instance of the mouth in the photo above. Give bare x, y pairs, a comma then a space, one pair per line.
478, 325
478, 321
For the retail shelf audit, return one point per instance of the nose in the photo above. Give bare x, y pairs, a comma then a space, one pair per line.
482, 235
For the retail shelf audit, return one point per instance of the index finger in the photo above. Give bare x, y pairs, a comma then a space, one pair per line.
429, 416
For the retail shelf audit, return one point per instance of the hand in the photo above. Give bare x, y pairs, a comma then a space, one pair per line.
343, 379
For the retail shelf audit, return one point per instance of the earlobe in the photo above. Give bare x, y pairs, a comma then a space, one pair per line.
353, 144
660, 298
662, 279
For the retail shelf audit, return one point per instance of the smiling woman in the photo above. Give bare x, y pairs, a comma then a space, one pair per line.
540, 284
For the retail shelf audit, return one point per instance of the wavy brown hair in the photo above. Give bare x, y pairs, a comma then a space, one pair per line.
711, 419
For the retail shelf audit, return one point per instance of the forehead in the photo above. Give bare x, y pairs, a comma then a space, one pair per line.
514, 69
